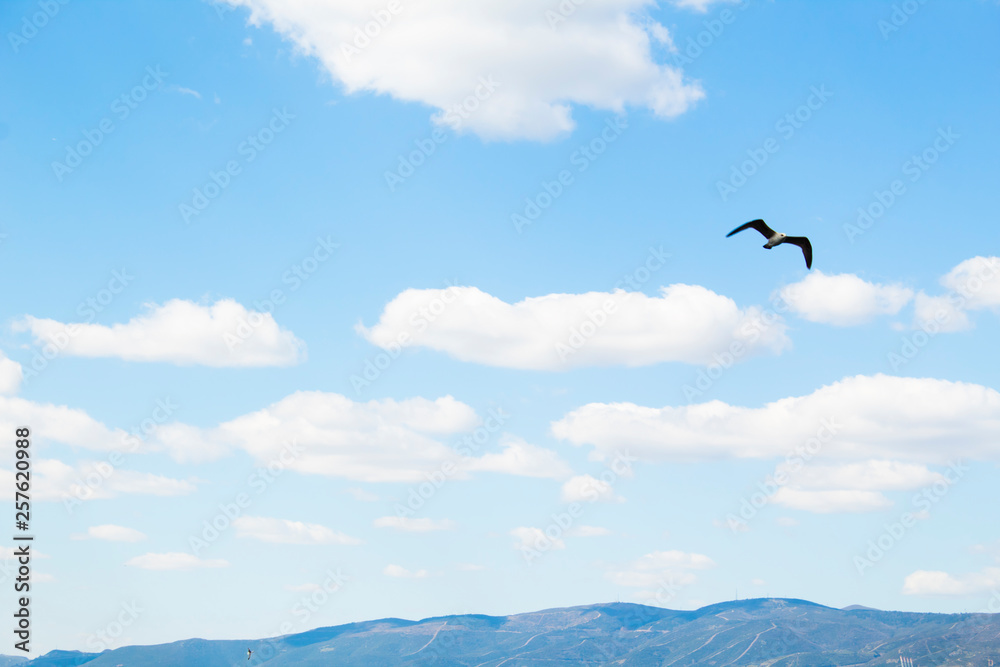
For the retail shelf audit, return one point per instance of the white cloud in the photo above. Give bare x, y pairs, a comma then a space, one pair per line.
57, 423
599, 57
843, 299
871, 475
919, 420
670, 568
178, 332
401, 572
11, 375
314, 432
939, 313
414, 525
113, 533
523, 459
55, 480
186, 91
974, 285
686, 323
588, 488
588, 531
926, 582
828, 502
282, 531
530, 538
174, 561
700, 6
976, 281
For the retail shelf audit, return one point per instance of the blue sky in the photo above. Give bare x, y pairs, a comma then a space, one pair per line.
237, 337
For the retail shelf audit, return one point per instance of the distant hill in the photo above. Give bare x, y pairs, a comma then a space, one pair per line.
765, 632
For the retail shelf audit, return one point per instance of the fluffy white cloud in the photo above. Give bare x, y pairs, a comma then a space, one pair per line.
112, 533
282, 531
863, 417
58, 423
375, 441
871, 475
401, 572
11, 375
973, 285
323, 433
939, 313
843, 299
520, 458
533, 539
55, 480
976, 281
852, 487
536, 63
590, 489
178, 332
687, 323
828, 502
174, 561
588, 531
414, 525
661, 568
700, 6
935, 582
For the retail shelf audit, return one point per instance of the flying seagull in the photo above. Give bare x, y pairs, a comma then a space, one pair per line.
776, 238
249, 653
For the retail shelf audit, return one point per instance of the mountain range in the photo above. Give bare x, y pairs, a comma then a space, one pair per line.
769, 632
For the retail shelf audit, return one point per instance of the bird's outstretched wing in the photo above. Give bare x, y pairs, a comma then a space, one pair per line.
807, 249
759, 225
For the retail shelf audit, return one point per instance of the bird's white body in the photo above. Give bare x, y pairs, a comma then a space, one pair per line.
777, 239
